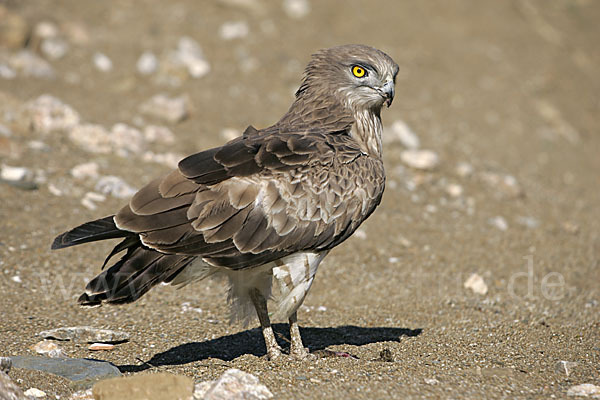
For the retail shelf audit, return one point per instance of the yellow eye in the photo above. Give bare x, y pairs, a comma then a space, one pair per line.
358, 71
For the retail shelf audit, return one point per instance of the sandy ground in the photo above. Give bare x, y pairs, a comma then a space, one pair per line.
508, 87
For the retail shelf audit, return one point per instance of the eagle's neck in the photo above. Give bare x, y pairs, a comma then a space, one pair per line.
367, 131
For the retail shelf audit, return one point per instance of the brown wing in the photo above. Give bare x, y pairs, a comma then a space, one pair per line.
258, 198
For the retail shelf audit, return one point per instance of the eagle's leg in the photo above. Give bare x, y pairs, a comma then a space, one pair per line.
297, 349
260, 304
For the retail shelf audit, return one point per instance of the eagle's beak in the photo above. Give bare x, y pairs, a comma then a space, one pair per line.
388, 91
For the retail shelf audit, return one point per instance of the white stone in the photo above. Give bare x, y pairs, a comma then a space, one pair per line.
504, 185
499, 222
30, 64
169, 159
476, 283
190, 54
115, 186
565, 367
464, 169
420, 159
54, 48
147, 63
454, 190
234, 30
296, 8
584, 390
16, 279
48, 348
37, 393
91, 137
400, 132
102, 62
236, 384
15, 174
85, 171
170, 109
45, 30
125, 139
158, 133
48, 114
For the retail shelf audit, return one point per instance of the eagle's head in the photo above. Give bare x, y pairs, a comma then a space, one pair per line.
358, 76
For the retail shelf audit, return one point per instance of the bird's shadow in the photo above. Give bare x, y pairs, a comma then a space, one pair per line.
251, 341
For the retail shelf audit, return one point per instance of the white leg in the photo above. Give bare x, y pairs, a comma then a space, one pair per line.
260, 304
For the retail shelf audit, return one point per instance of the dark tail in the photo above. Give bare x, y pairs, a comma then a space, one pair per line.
92, 231
134, 274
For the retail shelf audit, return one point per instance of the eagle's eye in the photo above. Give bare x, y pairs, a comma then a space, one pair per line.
359, 71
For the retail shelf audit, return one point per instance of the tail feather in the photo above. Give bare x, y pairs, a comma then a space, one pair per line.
100, 229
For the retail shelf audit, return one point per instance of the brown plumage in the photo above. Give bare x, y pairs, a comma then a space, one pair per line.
265, 207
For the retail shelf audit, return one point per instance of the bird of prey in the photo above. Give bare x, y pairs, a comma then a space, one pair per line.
264, 209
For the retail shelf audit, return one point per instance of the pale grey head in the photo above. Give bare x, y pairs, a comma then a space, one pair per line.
358, 76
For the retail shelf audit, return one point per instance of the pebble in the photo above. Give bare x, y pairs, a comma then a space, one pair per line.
454, 190
155, 386
189, 57
14, 30
90, 199
36, 393
102, 62
85, 334
30, 64
19, 177
101, 346
45, 30
529, 222
125, 139
420, 159
499, 222
233, 384
431, 381
584, 390
170, 109
505, 185
5, 364
48, 348
91, 137
159, 134
476, 283
16, 279
464, 169
400, 132
234, 30
54, 48
47, 114
115, 186
87, 170
75, 369
147, 63
296, 9
82, 395
565, 367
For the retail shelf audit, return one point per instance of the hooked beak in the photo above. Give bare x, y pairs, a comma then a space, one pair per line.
388, 92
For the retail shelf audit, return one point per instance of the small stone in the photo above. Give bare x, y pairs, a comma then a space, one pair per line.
36, 393
147, 63
5, 365
570, 227
360, 234
115, 186
529, 222
91, 137
45, 30
48, 348
431, 381
54, 48
464, 169
82, 395
584, 390
186, 61
400, 132
565, 367
420, 159
157, 386
31, 65
159, 134
499, 222
87, 170
169, 159
14, 30
125, 139
101, 346
234, 30
47, 114
15, 173
506, 186
454, 190
170, 109
16, 279
91, 198
476, 284
296, 8
76, 369
236, 384
102, 62
87, 334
